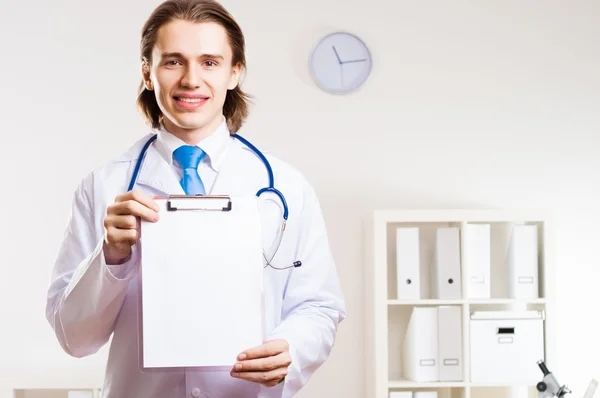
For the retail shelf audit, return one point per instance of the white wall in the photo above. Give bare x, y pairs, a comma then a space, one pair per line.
487, 104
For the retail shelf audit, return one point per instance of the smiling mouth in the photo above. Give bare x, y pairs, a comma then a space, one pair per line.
195, 100
189, 103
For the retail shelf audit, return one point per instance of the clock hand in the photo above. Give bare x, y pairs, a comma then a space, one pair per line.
336, 54
354, 60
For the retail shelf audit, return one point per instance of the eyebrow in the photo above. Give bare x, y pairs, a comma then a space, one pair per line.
180, 55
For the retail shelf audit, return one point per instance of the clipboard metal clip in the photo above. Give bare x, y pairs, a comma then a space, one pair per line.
199, 202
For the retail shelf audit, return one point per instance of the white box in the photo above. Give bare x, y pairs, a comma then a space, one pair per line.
401, 394
408, 269
80, 394
420, 345
522, 262
477, 243
446, 279
425, 394
506, 345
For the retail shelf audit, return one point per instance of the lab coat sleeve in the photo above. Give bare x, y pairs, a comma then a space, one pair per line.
313, 304
85, 294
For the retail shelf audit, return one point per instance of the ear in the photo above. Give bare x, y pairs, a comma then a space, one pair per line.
146, 76
234, 80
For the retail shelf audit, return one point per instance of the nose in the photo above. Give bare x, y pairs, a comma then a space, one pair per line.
191, 77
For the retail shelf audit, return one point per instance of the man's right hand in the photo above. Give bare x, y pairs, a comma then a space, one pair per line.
121, 224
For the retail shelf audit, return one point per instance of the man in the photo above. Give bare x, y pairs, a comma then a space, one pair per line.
192, 58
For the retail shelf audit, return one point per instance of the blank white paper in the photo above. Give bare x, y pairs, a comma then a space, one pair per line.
202, 281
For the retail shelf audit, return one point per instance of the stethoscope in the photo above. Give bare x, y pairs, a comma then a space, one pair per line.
271, 188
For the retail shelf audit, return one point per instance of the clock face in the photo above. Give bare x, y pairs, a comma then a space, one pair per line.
340, 63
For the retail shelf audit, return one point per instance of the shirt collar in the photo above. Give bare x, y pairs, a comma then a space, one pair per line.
214, 145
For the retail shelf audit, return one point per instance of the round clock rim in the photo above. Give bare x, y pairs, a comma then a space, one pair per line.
314, 75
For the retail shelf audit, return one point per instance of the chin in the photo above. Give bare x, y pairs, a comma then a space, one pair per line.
191, 122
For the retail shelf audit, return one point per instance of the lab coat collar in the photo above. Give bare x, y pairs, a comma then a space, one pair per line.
158, 174
215, 145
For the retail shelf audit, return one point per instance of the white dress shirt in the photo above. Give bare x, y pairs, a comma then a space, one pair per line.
215, 146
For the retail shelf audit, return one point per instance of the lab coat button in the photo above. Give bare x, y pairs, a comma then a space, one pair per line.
196, 392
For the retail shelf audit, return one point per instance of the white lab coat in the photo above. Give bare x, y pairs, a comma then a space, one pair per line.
88, 301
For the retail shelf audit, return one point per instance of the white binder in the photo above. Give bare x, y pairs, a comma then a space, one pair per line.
407, 264
477, 259
420, 345
450, 343
522, 262
446, 275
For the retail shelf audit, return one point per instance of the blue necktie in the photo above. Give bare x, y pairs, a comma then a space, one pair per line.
189, 158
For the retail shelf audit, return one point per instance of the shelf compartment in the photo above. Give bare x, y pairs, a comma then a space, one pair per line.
407, 384
426, 302
506, 301
56, 393
427, 240
500, 234
444, 390
499, 391
398, 318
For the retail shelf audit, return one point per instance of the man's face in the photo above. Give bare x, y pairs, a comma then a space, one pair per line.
191, 73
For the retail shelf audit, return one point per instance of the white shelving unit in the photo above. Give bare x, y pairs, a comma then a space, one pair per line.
387, 317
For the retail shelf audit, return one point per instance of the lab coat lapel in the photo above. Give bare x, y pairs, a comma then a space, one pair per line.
157, 174
230, 181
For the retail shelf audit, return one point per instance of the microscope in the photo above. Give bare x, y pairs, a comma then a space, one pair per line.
550, 388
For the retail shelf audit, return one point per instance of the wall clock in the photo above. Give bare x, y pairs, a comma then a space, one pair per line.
340, 63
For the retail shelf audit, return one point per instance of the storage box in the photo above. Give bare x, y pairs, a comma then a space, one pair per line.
425, 394
401, 394
506, 345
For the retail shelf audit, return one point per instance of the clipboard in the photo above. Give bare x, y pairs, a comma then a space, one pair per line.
199, 202
201, 282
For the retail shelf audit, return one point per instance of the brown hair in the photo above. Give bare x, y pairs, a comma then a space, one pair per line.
236, 104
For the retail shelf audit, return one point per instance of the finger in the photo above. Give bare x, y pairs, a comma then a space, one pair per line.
116, 236
270, 348
144, 199
140, 197
136, 196
272, 376
272, 383
123, 221
264, 364
132, 207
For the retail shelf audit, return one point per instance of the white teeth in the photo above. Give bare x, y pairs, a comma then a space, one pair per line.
192, 100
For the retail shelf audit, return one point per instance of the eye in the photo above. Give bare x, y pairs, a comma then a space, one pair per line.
210, 63
172, 62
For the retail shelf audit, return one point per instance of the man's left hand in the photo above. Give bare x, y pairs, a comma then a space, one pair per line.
266, 364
